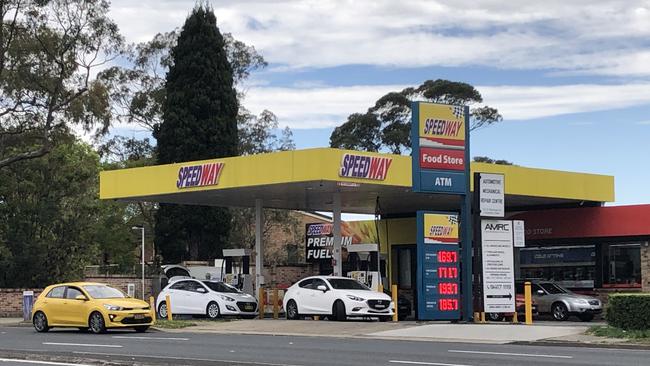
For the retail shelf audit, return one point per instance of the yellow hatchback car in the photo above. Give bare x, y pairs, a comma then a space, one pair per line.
87, 305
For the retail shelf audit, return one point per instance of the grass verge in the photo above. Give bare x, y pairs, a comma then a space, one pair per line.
174, 324
613, 332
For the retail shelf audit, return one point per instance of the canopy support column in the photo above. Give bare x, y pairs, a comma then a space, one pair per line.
259, 250
336, 215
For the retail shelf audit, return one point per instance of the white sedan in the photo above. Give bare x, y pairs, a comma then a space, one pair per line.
336, 297
210, 298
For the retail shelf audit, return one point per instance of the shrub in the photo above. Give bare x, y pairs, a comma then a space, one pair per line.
629, 311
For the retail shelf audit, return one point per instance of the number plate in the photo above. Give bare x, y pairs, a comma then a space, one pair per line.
138, 316
248, 307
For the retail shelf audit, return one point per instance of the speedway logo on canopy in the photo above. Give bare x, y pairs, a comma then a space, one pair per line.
365, 167
440, 229
441, 126
199, 175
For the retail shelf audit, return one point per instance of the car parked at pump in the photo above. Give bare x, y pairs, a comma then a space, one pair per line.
210, 298
551, 298
88, 305
337, 298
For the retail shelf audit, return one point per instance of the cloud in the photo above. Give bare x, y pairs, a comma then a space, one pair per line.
324, 107
608, 37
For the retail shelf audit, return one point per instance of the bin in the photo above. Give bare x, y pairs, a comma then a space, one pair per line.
28, 305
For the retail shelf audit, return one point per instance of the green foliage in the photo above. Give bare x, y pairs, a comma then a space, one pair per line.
387, 125
46, 208
256, 134
199, 122
485, 159
48, 51
629, 311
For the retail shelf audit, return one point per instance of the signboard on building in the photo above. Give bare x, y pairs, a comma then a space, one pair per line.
439, 140
439, 267
498, 266
491, 195
199, 175
319, 238
364, 166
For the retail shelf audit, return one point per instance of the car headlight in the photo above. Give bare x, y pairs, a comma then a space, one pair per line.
112, 307
355, 298
227, 298
582, 302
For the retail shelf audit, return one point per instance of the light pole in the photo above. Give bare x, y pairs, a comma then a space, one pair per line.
141, 227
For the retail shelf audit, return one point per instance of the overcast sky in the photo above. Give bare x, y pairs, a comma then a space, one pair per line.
571, 78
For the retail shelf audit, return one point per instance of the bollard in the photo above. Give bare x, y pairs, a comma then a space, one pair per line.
262, 298
316, 317
394, 296
528, 302
515, 319
169, 307
477, 317
483, 317
152, 306
276, 306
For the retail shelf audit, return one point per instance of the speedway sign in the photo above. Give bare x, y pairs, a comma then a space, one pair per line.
440, 229
364, 166
199, 175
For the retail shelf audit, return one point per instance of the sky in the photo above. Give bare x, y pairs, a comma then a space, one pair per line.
571, 78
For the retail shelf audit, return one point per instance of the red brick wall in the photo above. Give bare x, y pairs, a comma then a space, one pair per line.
11, 301
284, 276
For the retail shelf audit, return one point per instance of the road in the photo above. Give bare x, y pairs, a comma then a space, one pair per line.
160, 348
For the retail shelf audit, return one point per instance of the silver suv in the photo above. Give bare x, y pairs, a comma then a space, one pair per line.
554, 299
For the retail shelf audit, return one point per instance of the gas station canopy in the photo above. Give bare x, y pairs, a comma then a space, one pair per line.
307, 179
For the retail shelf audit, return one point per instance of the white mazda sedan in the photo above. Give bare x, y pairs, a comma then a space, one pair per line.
210, 298
337, 298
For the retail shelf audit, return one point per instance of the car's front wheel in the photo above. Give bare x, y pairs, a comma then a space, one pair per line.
96, 323
292, 310
338, 311
212, 310
560, 311
141, 328
40, 322
385, 318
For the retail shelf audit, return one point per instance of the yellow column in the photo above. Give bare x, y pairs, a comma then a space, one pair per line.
262, 297
152, 306
169, 307
394, 295
276, 308
528, 303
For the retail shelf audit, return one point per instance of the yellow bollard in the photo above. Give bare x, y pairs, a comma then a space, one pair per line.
394, 295
152, 306
262, 301
276, 307
515, 319
483, 317
528, 302
316, 317
169, 307
477, 317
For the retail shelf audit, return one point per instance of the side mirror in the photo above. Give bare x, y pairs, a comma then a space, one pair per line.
81, 297
322, 288
541, 292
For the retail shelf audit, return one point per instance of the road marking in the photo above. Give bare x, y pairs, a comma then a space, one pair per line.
508, 354
426, 363
154, 338
41, 362
192, 359
83, 344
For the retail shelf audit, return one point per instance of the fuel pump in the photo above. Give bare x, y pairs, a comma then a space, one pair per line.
364, 264
236, 271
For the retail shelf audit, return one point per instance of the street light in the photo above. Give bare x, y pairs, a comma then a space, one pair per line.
141, 227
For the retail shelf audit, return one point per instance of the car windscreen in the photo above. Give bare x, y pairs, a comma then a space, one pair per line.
220, 287
103, 292
552, 288
345, 284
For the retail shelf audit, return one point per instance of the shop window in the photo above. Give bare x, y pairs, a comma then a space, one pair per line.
570, 266
622, 265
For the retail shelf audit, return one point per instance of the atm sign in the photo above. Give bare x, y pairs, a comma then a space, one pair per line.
442, 159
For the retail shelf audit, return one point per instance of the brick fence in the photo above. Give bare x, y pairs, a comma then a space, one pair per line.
11, 301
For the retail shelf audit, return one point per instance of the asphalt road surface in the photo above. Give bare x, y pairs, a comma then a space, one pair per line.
23, 346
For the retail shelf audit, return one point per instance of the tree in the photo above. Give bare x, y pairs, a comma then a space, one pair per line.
199, 122
48, 52
48, 216
485, 159
387, 124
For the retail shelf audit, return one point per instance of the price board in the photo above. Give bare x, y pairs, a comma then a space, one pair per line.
439, 272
